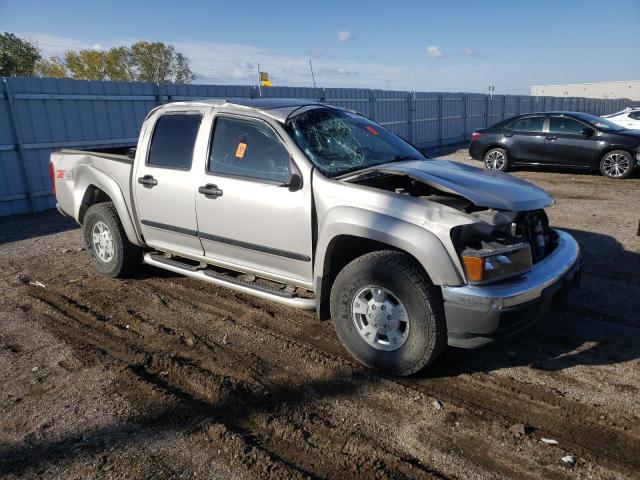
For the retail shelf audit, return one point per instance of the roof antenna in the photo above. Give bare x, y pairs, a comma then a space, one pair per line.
315, 91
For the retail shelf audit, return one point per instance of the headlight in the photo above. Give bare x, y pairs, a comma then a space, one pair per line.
491, 264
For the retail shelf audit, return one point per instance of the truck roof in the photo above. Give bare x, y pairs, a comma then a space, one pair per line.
277, 108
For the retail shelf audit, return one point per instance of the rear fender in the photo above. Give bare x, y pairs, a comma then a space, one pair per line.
86, 178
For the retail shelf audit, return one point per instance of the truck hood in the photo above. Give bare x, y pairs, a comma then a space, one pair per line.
483, 188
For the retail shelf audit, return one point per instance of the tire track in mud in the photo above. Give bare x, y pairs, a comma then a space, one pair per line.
586, 431
269, 438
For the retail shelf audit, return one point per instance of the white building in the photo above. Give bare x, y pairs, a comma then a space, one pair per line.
624, 89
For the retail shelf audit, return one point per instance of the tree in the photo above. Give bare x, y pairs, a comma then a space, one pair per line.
143, 61
158, 62
18, 57
54, 67
87, 64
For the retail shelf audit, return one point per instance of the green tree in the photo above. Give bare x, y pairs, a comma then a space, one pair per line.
119, 64
18, 57
161, 63
143, 61
53, 67
87, 64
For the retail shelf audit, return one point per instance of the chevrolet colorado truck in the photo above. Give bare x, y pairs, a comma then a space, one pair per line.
320, 208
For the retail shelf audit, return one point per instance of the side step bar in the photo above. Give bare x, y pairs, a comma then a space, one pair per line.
228, 281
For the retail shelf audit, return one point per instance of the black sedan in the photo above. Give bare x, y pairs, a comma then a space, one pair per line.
559, 139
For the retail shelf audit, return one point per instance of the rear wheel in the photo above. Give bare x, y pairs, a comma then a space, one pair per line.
109, 250
496, 159
387, 313
616, 164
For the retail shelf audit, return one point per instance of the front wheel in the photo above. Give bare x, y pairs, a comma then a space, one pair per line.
496, 159
616, 164
387, 313
109, 250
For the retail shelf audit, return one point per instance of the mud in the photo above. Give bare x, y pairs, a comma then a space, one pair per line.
161, 376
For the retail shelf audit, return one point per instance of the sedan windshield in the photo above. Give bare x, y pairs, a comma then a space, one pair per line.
599, 122
339, 142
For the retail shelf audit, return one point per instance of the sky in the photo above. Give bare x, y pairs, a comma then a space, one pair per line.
451, 45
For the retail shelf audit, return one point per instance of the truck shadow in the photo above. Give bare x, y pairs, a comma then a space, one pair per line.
600, 325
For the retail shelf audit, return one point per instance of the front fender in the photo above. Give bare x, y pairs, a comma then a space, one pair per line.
86, 176
418, 242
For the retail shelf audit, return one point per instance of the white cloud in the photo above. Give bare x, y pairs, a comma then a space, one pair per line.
470, 52
344, 37
434, 52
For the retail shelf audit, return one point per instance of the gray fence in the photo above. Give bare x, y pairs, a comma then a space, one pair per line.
38, 115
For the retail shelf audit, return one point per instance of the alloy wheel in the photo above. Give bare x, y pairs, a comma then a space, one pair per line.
494, 160
380, 318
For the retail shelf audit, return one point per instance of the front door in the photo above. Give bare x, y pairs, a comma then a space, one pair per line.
566, 143
164, 186
247, 217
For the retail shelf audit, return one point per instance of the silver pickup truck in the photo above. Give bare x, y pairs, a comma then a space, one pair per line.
318, 207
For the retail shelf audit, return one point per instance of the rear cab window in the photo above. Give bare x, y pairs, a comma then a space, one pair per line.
247, 148
173, 141
528, 124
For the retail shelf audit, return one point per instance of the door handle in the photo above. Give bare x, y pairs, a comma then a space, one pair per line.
210, 190
148, 181
507, 134
552, 137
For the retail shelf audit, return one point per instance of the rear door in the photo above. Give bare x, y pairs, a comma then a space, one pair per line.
567, 145
524, 139
164, 183
247, 219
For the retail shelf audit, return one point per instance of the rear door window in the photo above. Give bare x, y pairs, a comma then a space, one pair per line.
528, 124
248, 148
565, 125
173, 141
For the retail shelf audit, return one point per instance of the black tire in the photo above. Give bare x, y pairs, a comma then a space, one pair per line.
490, 163
126, 256
397, 271
607, 157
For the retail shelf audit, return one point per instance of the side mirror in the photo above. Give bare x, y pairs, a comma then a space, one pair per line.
294, 182
131, 153
587, 131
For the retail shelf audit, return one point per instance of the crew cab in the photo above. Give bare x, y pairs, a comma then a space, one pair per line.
320, 208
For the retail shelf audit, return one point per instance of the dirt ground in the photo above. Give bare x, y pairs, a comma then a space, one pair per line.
164, 377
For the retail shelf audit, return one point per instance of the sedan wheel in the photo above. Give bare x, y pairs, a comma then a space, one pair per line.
616, 164
496, 159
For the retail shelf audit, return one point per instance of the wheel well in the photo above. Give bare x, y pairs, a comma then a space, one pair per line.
340, 251
91, 196
492, 146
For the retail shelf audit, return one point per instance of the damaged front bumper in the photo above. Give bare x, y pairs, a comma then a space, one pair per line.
477, 315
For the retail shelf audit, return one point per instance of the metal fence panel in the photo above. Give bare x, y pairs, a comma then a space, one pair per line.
38, 115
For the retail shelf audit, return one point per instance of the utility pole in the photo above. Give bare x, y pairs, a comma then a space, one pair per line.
259, 86
313, 77
492, 88
414, 85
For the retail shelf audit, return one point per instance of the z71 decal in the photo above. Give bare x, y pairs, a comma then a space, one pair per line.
65, 174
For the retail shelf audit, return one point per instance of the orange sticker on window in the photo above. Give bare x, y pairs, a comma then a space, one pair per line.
240, 150
371, 130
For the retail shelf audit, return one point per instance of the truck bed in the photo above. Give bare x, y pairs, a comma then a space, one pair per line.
75, 170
